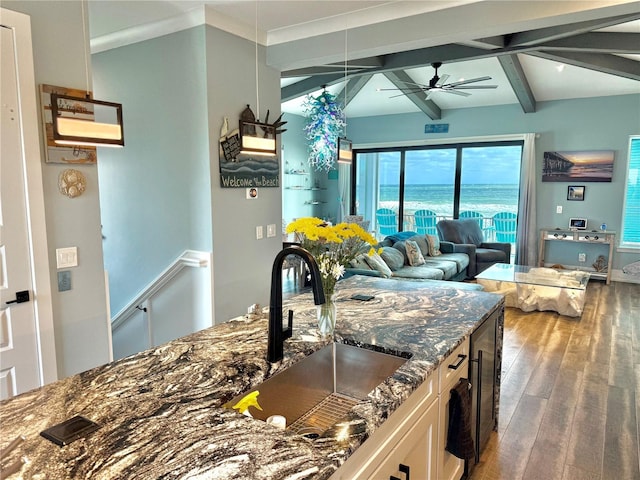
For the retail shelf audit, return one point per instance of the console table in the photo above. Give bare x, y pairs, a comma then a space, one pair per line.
558, 245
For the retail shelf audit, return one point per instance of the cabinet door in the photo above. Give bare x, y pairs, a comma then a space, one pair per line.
416, 452
452, 369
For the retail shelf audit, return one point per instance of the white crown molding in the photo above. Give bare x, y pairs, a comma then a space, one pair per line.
148, 31
190, 19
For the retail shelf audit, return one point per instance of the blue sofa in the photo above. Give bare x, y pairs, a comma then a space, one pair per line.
449, 265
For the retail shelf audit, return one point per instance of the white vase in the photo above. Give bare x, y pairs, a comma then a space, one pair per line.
327, 316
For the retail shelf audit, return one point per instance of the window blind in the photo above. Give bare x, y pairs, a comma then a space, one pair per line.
631, 212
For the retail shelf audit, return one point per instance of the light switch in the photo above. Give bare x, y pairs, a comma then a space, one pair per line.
559, 209
259, 232
271, 230
66, 257
64, 281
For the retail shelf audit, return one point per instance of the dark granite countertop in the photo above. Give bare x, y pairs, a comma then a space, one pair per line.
161, 411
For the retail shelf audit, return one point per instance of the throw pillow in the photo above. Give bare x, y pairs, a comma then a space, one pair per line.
423, 244
401, 248
434, 246
393, 258
413, 253
360, 262
376, 262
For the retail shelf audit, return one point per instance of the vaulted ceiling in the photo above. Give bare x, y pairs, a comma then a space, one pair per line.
532, 50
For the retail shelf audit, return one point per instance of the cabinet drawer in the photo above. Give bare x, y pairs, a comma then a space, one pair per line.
454, 367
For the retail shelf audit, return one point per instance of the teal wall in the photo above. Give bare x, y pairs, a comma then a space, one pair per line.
154, 193
601, 123
161, 194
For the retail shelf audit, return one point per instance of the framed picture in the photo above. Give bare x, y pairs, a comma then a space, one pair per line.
575, 192
578, 223
583, 166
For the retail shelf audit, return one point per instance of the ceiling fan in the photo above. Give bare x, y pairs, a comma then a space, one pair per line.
437, 84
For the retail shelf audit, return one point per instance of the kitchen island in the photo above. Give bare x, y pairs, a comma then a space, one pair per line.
161, 411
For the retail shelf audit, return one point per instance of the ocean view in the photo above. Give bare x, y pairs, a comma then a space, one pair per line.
485, 199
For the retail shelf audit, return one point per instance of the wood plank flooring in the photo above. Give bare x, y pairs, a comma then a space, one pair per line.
570, 401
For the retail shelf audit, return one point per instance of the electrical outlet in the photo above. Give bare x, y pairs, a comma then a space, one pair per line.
259, 233
559, 209
582, 257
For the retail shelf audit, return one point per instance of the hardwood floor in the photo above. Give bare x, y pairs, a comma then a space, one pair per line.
570, 400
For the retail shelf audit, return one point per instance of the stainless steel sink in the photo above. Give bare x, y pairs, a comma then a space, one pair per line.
316, 392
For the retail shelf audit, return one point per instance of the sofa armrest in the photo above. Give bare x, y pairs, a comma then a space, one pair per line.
505, 247
469, 249
447, 247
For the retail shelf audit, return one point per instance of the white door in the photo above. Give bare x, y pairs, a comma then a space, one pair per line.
19, 358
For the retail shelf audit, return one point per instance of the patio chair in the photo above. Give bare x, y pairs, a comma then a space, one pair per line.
487, 230
386, 221
505, 224
425, 222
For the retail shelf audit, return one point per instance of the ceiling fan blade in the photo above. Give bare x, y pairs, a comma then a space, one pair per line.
471, 80
416, 89
456, 92
442, 79
418, 85
474, 87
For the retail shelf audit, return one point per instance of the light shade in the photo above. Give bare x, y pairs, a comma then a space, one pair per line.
74, 121
257, 138
345, 151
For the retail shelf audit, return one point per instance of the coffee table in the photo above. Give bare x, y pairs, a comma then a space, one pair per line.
537, 288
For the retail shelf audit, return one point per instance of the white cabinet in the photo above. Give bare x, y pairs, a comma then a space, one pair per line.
415, 455
411, 442
455, 367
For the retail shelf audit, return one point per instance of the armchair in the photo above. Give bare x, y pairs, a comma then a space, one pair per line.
466, 237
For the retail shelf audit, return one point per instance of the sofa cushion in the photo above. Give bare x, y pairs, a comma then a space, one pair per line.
434, 245
449, 268
393, 258
421, 272
461, 259
376, 262
413, 253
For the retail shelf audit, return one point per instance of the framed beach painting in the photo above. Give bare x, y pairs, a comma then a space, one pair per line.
581, 166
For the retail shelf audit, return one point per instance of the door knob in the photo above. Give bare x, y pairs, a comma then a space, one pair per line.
21, 297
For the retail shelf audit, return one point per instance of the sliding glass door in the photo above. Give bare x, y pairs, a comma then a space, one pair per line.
429, 177
412, 188
489, 186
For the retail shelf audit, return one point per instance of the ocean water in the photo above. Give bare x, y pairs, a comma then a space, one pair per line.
485, 199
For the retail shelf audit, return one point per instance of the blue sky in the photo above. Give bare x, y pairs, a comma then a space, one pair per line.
480, 165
